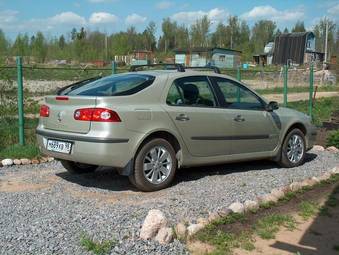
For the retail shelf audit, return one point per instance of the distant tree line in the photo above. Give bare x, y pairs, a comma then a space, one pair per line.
234, 33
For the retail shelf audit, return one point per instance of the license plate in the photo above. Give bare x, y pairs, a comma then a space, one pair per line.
59, 146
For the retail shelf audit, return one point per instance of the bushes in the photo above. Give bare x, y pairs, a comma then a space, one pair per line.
333, 139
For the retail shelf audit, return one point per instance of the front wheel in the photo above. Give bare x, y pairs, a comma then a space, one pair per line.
155, 166
293, 149
78, 168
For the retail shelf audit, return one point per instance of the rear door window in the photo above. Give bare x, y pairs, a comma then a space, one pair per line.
191, 91
117, 85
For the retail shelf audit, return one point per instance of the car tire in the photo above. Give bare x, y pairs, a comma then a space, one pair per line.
293, 149
78, 168
154, 166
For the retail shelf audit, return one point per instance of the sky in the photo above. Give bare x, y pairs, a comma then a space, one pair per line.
54, 17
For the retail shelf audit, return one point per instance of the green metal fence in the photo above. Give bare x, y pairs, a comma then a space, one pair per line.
22, 88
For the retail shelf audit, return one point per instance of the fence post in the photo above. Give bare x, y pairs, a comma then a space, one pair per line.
20, 101
285, 84
238, 73
114, 68
310, 100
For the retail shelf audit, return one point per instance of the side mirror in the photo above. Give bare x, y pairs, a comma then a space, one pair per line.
271, 106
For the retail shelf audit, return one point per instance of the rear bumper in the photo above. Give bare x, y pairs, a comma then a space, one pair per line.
102, 151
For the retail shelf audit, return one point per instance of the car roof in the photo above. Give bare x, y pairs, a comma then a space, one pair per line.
177, 74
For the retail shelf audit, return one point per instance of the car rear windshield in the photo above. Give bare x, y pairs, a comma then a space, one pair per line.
117, 85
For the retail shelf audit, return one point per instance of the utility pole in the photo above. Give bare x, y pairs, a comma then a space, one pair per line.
326, 39
106, 47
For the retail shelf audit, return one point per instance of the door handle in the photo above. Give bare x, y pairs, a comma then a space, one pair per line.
182, 117
239, 118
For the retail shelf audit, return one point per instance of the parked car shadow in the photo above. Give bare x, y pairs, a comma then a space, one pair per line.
108, 179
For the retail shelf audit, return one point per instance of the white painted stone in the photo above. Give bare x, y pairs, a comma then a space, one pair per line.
332, 149
164, 236
324, 177
295, 186
268, 198
49, 159
194, 228
25, 161
251, 205
181, 230
7, 162
202, 221
334, 170
154, 220
318, 148
17, 161
315, 179
237, 207
213, 216
277, 193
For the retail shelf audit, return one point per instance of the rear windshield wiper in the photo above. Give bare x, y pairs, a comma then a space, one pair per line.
69, 88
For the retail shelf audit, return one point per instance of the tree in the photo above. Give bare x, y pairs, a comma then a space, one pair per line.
39, 48
62, 42
200, 31
4, 44
320, 35
149, 37
299, 27
286, 30
219, 37
21, 45
169, 37
262, 33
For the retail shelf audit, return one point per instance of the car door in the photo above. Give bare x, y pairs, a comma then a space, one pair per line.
194, 109
254, 128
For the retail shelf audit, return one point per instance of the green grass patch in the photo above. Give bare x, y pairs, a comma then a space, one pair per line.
336, 247
333, 139
18, 151
308, 209
96, 247
280, 90
323, 108
225, 242
268, 226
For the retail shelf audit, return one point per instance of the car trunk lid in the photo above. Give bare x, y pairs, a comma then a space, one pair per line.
61, 113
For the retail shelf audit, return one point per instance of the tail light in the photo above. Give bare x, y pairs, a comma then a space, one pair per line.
96, 114
44, 111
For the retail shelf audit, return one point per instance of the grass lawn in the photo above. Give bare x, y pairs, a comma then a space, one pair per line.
323, 108
280, 90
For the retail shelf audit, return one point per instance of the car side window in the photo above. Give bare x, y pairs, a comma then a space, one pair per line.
191, 91
237, 96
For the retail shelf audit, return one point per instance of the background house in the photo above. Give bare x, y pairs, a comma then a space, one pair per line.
299, 48
220, 57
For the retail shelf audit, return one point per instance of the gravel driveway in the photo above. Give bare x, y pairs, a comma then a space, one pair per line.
45, 210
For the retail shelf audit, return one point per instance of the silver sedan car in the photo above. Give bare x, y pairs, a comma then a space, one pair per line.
147, 124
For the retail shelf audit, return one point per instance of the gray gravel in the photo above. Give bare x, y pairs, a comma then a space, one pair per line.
44, 210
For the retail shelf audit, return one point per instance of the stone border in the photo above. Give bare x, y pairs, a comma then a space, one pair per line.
24, 161
155, 225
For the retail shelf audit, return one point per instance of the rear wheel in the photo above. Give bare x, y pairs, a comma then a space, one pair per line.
155, 165
293, 149
78, 168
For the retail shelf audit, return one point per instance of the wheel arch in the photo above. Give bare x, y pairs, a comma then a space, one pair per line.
164, 134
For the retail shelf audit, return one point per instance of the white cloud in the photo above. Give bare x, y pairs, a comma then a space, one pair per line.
135, 19
269, 12
69, 18
164, 5
102, 18
7, 16
215, 15
334, 10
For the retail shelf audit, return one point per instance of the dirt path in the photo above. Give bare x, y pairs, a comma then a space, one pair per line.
317, 235
292, 97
